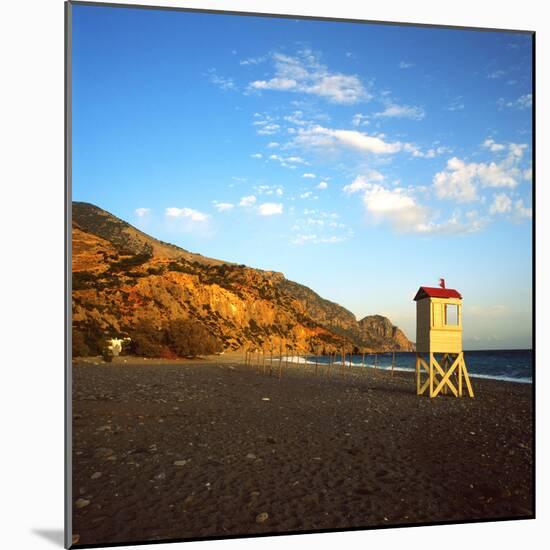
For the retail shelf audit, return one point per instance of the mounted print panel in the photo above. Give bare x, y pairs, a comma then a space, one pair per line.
301, 256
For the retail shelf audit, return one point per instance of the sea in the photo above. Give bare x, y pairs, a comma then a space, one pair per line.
506, 365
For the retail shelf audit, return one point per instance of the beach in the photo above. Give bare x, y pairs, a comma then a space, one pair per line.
212, 447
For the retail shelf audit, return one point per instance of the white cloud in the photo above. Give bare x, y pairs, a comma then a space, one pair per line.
402, 211
502, 204
273, 144
517, 149
256, 156
222, 82
494, 147
288, 161
269, 190
253, 60
361, 183
296, 118
522, 102
308, 175
460, 179
268, 129
313, 238
322, 185
270, 208
394, 205
497, 175
188, 213
247, 201
456, 104
274, 84
496, 74
318, 136
223, 206
405, 65
320, 227
141, 212
306, 195
456, 182
265, 124
528, 174
360, 120
521, 211
305, 74
428, 154
402, 111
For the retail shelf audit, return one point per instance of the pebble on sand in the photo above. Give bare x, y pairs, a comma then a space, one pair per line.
81, 503
180, 462
103, 452
262, 517
96, 475
251, 456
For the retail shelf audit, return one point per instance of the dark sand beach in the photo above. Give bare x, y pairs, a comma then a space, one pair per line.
204, 448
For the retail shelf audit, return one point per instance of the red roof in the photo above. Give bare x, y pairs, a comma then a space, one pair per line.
436, 292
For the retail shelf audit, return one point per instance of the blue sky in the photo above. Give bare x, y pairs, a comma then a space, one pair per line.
361, 160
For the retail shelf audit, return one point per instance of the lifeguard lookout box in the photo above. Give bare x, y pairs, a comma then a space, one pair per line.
439, 352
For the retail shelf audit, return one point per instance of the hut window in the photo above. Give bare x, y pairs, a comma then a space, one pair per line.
451, 314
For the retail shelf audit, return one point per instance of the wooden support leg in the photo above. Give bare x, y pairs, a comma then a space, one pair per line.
431, 374
466, 377
445, 367
417, 371
460, 374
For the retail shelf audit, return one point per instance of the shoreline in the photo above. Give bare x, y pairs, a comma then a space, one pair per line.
290, 361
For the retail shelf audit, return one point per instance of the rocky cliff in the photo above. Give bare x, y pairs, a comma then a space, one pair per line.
121, 276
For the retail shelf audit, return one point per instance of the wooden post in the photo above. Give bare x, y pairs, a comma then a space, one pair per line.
316, 362
417, 372
460, 379
346, 368
286, 356
431, 374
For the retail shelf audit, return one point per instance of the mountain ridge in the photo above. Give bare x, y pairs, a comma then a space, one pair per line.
122, 276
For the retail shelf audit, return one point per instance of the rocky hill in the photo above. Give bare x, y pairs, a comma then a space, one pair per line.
122, 276
377, 332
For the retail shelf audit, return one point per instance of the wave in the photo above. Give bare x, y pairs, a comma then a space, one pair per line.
355, 364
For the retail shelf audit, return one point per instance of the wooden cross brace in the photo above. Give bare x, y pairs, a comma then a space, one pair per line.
439, 375
446, 376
